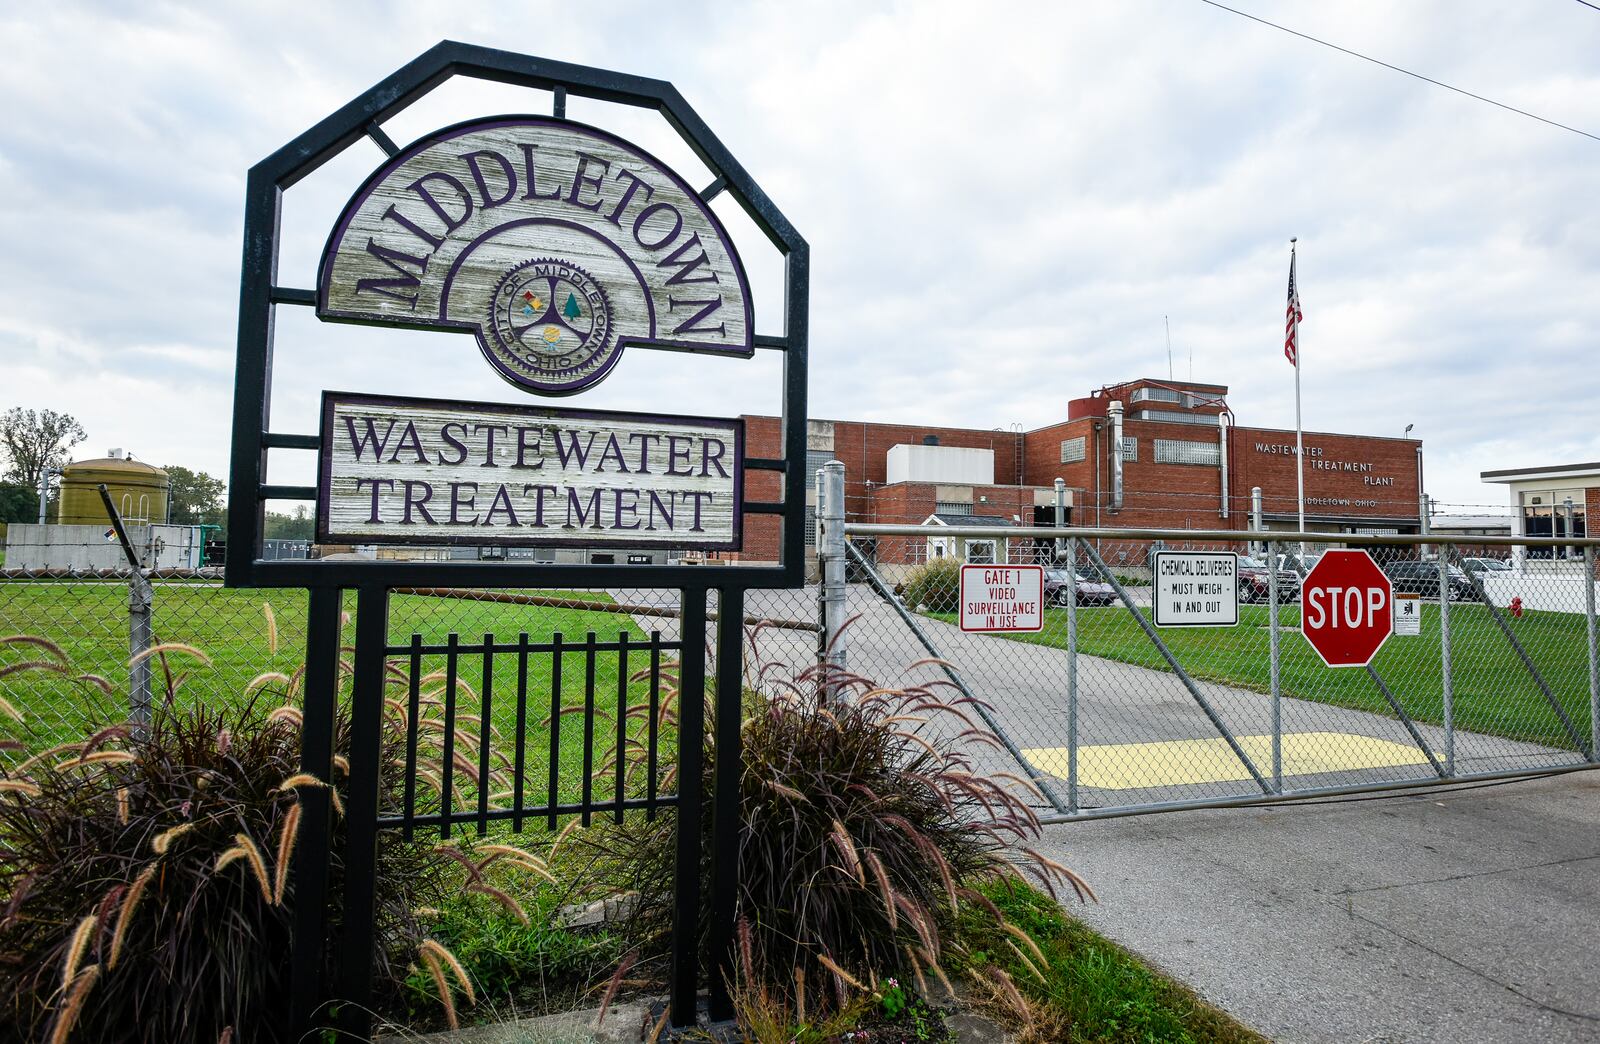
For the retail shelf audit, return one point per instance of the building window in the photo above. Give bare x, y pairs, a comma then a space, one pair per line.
1177, 451
1130, 447
1545, 514
952, 507
814, 460
811, 526
1173, 417
1072, 450
1155, 395
980, 552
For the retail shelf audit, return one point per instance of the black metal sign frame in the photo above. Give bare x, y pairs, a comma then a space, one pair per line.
260, 295
373, 581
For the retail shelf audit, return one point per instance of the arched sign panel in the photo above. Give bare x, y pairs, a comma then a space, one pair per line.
556, 244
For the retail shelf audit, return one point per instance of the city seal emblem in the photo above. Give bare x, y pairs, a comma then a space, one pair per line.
557, 245
550, 321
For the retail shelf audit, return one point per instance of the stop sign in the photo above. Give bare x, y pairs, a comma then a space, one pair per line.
1346, 608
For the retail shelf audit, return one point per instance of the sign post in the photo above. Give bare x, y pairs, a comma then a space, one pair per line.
1347, 608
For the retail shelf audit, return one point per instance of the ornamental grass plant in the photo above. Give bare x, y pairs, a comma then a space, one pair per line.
866, 829
145, 884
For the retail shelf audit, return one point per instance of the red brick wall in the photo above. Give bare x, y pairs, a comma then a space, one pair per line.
1369, 477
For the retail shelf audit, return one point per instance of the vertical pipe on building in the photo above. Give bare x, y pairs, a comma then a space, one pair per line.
1114, 409
1422, 504
1566, 507
1274, 661
1222, 456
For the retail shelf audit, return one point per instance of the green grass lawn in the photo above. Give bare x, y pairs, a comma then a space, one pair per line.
89, 620
1493, 691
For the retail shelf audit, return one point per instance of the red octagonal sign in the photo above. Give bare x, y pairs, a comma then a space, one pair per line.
1346, 608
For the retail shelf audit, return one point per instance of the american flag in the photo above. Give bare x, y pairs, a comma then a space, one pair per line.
1291, 320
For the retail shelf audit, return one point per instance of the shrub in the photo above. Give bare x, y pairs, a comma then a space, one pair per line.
145, 891
935, 587
864, 830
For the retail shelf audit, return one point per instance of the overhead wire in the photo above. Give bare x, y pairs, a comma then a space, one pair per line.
1408, 72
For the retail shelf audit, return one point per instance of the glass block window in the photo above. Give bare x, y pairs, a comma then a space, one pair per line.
811, 523
1072, 450
952, 507
1130, 447
1177, 451
814, 460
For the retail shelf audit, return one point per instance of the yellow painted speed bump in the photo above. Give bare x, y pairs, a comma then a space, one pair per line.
1132, 766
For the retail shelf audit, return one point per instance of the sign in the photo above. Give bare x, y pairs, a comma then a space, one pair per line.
1002, 598
555, 244
1347, 608
1407, 614
1196, 588
423, 471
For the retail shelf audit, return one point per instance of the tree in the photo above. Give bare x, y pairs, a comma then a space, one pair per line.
32, 441
18, 503
298, 526
193, 497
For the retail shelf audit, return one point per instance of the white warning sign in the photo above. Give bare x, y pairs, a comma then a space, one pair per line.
1196, 588
1002, 598
1407, 614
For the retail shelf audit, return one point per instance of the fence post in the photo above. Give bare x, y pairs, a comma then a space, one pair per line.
1594, 661
1072, 669
831, 597
1444, 661
1274, 662
1255, 516
141, 602
141, 599
1061, 517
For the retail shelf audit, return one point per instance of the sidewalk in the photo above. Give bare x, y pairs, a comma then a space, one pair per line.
1465, 917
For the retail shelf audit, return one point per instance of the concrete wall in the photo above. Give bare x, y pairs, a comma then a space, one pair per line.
958, 465
86, 547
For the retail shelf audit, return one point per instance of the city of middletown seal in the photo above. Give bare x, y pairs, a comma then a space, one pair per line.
550, 323
558, 246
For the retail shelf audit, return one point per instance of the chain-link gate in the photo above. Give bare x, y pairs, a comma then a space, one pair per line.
1111, 715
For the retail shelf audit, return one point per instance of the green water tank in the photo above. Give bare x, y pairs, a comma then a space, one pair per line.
139, 491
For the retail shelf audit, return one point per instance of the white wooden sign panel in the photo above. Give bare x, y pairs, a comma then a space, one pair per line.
555, 243
421, 471
1196, 588
997, 598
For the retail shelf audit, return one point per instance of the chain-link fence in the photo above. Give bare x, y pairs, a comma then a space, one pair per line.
1490, 670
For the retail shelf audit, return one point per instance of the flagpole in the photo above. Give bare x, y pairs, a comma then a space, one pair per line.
1299, 433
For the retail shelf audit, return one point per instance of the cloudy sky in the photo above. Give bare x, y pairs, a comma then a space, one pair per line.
1003, 201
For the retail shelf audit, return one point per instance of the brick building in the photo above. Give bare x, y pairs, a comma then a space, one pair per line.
1182, 463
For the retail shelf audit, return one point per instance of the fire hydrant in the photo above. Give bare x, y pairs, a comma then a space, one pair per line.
1516, 607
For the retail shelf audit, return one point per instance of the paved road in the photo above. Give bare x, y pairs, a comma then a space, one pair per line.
1466, 916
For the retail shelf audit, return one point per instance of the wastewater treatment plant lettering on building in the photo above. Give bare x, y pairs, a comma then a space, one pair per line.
415, 471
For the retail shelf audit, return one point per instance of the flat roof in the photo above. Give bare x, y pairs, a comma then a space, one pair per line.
1550, 470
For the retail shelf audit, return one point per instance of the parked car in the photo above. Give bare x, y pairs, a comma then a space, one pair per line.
1300, 565
1255, 580
1486, 566
1422, 578
1090, 592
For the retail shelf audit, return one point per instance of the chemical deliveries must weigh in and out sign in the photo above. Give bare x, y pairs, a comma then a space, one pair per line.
1002, 598
1196, 588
